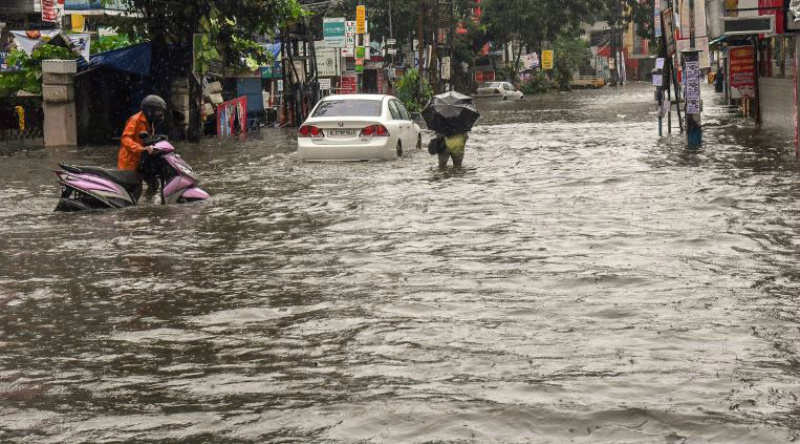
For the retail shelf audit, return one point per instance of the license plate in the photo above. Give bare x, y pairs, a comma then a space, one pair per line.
338, 132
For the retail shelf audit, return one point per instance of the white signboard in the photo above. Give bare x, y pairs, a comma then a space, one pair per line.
349, 39
325, 84
328, 61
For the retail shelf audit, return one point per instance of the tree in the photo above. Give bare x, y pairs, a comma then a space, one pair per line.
231, 27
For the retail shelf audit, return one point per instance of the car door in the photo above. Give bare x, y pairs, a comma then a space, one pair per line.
401, 124
508, 90
410, 138
395, 122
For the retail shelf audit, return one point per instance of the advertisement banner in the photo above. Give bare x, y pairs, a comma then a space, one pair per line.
668, 31
742, 73
81, 43
349, 39
232, 117
349, 85
547, 59
49, 13
361, 19
27, 41
692, 82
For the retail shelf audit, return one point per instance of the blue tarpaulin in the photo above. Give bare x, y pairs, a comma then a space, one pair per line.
133, 59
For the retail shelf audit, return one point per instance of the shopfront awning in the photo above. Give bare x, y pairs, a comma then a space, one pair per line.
133, 59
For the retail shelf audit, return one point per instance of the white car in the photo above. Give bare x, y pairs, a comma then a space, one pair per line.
358, 127
504, 90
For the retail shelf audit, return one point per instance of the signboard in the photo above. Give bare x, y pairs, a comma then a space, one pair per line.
328, 62
361, 19
657, 18
349, 39
742, 69
547, 59
271, 72
49, 13
333, 30
391, 51
391, 42
325, 84
349, 84
445, 68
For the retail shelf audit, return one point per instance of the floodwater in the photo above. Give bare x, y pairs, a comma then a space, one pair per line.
579, 281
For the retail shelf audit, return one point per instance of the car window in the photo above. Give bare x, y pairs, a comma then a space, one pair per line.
507, 87
394, 110
349, 107
403, 111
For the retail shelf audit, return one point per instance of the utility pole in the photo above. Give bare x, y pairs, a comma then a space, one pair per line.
421, 41
435, 48
691, 61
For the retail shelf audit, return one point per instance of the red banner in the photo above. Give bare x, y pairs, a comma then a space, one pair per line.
49, 13
349, 85
742, 67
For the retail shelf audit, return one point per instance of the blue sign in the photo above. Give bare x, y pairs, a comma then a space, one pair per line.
87, 5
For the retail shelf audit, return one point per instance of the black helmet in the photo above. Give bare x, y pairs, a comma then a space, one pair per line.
154, 108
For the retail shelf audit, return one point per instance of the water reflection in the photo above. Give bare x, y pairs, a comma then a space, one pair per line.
579, 280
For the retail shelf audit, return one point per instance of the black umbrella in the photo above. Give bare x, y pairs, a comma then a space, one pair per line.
451, 98
450, 119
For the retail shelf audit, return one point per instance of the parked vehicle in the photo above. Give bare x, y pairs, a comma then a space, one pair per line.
587, 82
503, 90
358, 127
92, 188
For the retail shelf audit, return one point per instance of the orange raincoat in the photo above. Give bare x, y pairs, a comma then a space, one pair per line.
131, 147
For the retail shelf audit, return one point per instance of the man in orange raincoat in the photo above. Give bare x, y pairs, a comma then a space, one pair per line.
154, 108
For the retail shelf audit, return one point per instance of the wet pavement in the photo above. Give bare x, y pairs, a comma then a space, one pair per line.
579, 281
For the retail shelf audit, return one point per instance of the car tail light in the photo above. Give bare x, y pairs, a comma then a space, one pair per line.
310, 131
375, 131
497, 91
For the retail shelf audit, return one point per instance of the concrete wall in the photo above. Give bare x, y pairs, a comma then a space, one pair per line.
777, 107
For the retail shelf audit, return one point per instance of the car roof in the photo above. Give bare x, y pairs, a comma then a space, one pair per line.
357, 97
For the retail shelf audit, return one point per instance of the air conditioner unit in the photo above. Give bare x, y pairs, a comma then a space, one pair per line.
764, 24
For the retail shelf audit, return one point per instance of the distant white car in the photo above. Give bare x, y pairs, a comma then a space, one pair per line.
358, 127
503, 90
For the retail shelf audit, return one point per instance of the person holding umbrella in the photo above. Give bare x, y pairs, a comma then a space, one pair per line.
451, 115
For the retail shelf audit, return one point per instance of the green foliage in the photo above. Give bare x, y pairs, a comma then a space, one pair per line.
112, 42
29, 76
411, 93
570, 54
231, 26
538, 84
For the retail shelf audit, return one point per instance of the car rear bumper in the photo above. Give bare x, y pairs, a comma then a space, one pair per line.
379, 149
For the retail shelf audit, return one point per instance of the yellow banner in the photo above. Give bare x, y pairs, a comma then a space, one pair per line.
361, 18
547, 59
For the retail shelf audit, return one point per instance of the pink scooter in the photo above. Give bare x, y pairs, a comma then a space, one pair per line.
92, 188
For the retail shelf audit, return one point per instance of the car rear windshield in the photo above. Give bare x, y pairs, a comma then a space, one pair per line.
349, 107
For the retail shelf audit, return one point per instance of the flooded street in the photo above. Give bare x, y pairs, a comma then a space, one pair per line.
579, 281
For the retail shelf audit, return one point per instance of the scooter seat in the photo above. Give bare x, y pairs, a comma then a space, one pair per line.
125, 178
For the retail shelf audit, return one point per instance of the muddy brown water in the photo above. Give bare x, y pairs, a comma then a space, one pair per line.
579, 281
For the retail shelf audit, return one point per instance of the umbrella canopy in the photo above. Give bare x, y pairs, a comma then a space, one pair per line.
450, 119
453, 98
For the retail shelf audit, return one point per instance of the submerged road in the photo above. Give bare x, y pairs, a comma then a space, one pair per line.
579, 281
